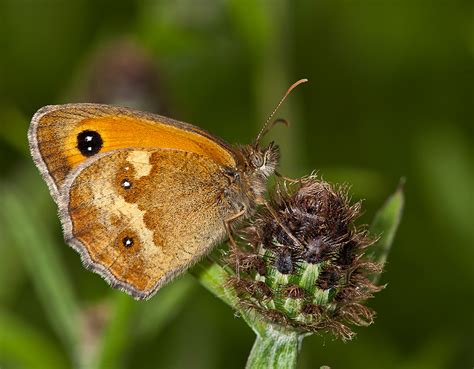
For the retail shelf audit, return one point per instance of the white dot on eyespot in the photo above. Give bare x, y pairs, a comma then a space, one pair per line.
126, 184
89, 148
88, 138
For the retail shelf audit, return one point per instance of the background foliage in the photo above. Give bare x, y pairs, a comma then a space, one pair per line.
390, 95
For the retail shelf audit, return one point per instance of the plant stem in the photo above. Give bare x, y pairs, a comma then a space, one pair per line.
275, 349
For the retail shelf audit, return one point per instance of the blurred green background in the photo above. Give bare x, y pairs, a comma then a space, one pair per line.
391, 94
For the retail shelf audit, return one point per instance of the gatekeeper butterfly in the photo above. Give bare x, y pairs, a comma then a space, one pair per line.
142, 197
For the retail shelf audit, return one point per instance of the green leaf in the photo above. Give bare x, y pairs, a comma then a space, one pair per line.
385, 225
39, 254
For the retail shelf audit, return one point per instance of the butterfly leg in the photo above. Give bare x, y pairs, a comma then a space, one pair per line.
228, 226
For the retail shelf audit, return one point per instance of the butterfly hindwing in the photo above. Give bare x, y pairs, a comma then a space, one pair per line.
139, 217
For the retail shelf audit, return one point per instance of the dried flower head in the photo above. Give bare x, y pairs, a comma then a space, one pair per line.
301, 262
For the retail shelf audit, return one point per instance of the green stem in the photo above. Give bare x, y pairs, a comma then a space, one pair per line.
275, 349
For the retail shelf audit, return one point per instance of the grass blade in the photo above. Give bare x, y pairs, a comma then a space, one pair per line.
385, 225
39, 255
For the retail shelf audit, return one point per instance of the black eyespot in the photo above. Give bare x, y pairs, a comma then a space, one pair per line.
126, 184
89, 142
128, 241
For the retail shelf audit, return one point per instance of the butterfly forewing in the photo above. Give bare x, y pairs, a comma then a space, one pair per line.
64, 136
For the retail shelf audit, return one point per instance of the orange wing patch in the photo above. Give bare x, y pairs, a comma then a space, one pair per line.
63, 136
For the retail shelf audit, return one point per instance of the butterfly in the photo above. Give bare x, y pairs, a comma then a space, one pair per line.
142, 197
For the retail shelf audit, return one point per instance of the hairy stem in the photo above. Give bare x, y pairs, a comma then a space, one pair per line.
275, 349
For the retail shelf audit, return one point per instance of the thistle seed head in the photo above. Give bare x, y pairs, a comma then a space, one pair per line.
302, 264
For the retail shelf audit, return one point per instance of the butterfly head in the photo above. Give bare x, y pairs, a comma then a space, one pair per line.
263, 160
258, 163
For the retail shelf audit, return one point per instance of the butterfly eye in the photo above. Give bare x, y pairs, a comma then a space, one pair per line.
257, 160
89, 142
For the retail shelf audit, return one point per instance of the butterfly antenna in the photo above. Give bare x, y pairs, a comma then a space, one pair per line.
266, 127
